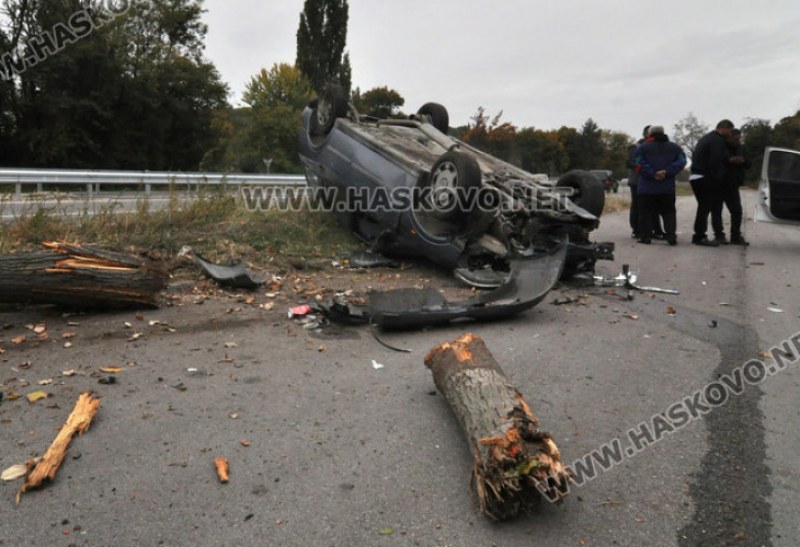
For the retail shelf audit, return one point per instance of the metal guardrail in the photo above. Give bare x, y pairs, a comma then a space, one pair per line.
94, 181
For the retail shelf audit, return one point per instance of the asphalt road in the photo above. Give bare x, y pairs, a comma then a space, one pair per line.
340, 453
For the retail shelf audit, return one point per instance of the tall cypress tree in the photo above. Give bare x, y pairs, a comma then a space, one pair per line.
321, 39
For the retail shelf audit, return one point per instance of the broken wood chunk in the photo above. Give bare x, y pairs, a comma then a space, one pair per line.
78, 422
515, 462
83, 277
223, 469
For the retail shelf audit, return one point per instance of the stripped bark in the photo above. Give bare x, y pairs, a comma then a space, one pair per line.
515, 463
84, 277
78, 421
223, 469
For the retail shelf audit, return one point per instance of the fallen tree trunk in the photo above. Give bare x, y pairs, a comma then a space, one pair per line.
78, 422
515, 462
84, 277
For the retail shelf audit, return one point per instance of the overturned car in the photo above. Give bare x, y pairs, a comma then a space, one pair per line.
407, 188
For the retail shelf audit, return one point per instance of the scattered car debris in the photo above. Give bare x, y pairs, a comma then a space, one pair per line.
627, 279
299, 311
80, 277
233, 275
515, 461
368, 259
525, 285
223, 469
78, 421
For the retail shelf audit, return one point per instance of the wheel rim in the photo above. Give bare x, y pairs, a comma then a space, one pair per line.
444, 183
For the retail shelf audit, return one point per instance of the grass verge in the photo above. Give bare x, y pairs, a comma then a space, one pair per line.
214, 224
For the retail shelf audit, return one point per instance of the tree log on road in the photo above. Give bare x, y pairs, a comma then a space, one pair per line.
81, 277
515, 462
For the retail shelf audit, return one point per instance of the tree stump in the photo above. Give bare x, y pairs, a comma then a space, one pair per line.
515, 462
81, 277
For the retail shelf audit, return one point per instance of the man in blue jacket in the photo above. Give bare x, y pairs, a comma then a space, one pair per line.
658, 161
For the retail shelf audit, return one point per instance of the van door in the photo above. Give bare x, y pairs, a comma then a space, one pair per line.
779, 190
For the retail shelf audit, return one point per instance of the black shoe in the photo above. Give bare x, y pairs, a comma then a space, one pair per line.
672, 240
660, 235
634, 235
643, 240
705, 242
720, 240
739, 240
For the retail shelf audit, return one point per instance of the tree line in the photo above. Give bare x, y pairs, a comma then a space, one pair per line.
123, 84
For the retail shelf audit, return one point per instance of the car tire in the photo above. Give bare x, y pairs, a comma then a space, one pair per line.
453, 175
331, 104
440, 119
589, 193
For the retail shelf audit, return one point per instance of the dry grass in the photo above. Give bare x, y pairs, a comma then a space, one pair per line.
214, 224
616, 203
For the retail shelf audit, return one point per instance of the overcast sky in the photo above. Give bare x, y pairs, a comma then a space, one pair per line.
545, 63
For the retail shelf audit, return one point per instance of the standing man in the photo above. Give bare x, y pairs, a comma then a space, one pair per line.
633, 177
734, 178
709, 165
658, 161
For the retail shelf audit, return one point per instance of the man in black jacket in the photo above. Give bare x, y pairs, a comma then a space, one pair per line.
734, 178
709, 165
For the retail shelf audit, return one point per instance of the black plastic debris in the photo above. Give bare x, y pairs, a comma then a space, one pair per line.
528, 282
368, 259
234, 275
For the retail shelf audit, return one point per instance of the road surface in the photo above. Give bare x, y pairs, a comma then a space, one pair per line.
341, 453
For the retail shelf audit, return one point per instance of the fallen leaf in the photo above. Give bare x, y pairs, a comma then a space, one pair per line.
111, 370
35, 396
38, 328
632, 316
67, 345
46, 382
136, 336
244, 442
2, 351
765, 354
68, 335
231, 345
671, 310
386, 532
14, 472
128, 325
70, 372
18, 340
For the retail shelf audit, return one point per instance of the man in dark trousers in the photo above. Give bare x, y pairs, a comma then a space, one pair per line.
658, 161
633, 177
709, 166
734, 178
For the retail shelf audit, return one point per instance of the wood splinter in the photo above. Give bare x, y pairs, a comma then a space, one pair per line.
78, 422
223, 469
515, 463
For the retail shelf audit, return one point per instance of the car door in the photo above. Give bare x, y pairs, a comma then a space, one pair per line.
779, 190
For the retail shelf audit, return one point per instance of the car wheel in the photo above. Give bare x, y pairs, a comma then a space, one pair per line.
451, 179
588, 194
440, 119
331, 105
